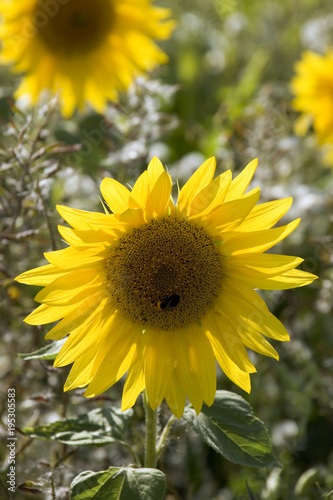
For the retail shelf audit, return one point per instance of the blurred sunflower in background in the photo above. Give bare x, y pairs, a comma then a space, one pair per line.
312, 87
85, 50
160, 290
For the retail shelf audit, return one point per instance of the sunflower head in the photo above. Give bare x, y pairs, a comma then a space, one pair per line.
160, 290
312, 87
87, 51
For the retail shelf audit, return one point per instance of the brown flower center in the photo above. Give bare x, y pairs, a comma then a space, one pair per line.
165, 274
73, 27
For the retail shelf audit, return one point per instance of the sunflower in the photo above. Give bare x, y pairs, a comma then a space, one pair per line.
160, 290
85, 50
313, 89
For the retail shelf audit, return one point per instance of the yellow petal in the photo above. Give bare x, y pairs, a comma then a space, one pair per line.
115, 357
159, 363
255, 341
195, 365
211, 195
81, 339
232, 371
48, 314
82, 370
241, 182
256, 241
71, 288
155, 169
106, 222
198, 181
246, 307
140, 189
132, 217
265, 215
40, 276
289, 279
89, 238
135, 382
263, 265
230, 214
77, 316
175, 396
115, 194
158, 199
77, 218
226, 334
70, 258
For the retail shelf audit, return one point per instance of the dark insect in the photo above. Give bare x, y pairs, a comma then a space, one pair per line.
168, 303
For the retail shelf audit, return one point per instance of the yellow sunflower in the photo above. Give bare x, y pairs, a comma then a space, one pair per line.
86, 50
160, 290
313, 89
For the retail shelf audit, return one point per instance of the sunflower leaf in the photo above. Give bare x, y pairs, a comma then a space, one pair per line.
50, 351
231, 429
99, 427
119, 484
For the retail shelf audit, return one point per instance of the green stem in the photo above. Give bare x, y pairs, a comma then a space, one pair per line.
164, 435
151, 434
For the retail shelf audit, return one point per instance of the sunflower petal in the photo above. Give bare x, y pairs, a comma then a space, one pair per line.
115, 194
140, 189
265, 215
159, 363
135, 383
175, 396
210, 196
246, 307
195, 366
61, 291
241, 182
198, 181
252, 265
77, 316
115, 357
230, 214
226, 334
90, 239
45, 314
256, 241
40, 276
289, 279
70, 258
78, 219
155, 169
159, 196
231, 370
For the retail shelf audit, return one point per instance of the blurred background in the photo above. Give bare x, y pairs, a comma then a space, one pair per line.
226, 93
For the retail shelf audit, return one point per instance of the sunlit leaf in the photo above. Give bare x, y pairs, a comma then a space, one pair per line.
119, 484
231, 429
49, 351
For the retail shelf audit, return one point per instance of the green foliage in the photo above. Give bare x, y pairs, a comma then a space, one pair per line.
119, 484
231, 429
98, 427
49, 351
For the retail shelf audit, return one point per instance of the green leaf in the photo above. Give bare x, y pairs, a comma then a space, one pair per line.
119, 484
49, 351
232, 430
98, 427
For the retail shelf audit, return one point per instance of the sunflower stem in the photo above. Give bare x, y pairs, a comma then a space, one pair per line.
151, 434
